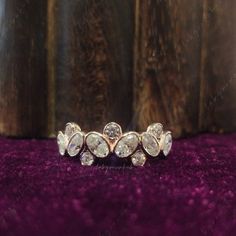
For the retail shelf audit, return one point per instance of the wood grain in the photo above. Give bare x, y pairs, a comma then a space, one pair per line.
93, 62
167, 64
218, 67
134, 62
23, 73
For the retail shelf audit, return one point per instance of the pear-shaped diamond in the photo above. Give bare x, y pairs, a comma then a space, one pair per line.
138, 158
62, 143
127, 144
97, 145
87, 159
75, 144
150, 144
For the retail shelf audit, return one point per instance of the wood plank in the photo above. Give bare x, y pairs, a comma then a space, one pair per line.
93, 62
218, 73
167, 64
23, 72
74, 61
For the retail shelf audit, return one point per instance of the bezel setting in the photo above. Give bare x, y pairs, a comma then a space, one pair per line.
126, 145
156, 129
166, 142
138, 158
150, 147
71, 128
112, 131
93, 150
62, 142
136, 146
78, 144
87, 158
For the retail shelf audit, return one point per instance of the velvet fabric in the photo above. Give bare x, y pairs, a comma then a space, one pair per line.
192, 192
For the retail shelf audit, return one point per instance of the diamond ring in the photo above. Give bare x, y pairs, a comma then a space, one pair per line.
137, 146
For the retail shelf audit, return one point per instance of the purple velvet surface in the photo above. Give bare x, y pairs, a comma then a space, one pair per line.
193, 192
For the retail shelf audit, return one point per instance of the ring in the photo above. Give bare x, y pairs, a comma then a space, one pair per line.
137, 146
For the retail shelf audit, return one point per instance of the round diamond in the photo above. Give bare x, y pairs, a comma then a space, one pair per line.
75, 144
71, 128
138, 158
167, 143
127, 145
97, 145
87, 159
62, 143
150, 144
155, 129
112, 130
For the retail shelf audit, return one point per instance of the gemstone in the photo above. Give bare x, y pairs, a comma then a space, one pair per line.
71, 128
112, 130
150, 144
155, 129
138, 158
97, 145
167, 143
75, 144
126, 145
62, 143
87, 159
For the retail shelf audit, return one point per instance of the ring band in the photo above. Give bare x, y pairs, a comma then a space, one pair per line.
91, 145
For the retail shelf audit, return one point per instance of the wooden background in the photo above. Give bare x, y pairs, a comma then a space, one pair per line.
130, 61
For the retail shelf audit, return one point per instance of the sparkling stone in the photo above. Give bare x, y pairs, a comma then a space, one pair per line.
126, 145
155, 129
87, 159
112, 130
62, 143
97, 145
138, 158
71, 128
75, 144
167, 143
150, 144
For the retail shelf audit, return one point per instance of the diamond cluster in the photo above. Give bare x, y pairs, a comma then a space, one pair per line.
138, 147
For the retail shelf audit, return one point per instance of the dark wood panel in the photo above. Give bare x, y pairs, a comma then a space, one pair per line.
218, 72
93, 62
167, 64
134, 62
23, 73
